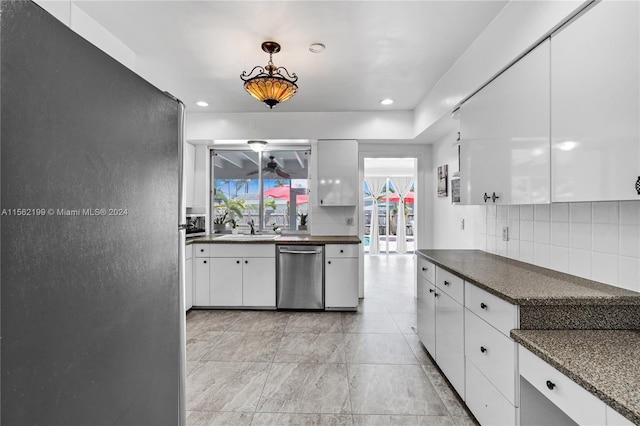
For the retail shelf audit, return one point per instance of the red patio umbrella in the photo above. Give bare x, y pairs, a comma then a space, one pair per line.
409, 198
284, 192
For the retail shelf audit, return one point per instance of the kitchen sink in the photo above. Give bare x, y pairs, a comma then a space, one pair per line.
242, 237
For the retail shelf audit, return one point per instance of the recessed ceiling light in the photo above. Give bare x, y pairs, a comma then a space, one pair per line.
202, 104
317, 47
386, 101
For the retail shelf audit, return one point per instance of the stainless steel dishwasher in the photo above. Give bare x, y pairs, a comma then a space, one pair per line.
300, 277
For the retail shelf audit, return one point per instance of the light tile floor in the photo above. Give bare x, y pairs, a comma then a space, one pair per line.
320, 368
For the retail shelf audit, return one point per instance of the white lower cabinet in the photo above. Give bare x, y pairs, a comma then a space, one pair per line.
341, 276
201, 282
440, 321
491, 357
427, 315
486, 403
575, 401
493, 353
227, 279
259, 282
450, 339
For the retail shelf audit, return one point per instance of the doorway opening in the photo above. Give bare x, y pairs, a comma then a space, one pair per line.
389, 205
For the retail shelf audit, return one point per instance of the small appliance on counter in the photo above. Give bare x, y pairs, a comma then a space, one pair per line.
196, 225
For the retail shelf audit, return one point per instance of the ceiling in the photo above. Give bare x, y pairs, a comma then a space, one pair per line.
375, 49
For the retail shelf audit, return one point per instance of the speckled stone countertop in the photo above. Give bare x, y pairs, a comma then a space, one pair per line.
604, 362
283, 239
525, 284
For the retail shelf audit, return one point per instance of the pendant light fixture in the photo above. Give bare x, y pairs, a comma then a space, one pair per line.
269, 84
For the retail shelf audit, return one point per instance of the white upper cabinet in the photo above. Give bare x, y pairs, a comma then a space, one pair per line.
338, 173
505, 141
595, 105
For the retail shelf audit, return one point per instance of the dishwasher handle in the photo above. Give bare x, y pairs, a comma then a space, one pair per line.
301, 252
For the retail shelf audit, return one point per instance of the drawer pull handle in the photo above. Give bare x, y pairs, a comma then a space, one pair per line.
204, 261
329, 262
486, 197
430, 290
483, 349
237, 261
436, 294
424, 269
447, 283
341, 251
201, 250
483, 306
494, 197
550, 385
246, 261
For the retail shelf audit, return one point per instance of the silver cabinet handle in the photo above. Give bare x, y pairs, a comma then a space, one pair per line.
301, 252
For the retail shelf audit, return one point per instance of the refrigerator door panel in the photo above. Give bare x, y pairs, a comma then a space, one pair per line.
90, 308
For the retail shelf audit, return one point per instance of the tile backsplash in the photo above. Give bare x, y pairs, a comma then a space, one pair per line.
599, 240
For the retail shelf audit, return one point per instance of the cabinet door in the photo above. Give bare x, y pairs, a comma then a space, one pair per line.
450, 339
426, 320
505, 136
338, 173
188, 284
595, 105
341, 283
201, 283
426, 310
226, 281
259, 282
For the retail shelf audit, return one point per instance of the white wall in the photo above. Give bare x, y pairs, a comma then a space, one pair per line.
447, 217
511, 33
72, 16
599, 241
300, 125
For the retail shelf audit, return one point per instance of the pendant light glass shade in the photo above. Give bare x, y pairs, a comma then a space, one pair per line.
270, 90
270, 84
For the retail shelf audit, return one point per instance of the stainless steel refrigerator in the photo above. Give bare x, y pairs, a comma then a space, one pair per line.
92, 317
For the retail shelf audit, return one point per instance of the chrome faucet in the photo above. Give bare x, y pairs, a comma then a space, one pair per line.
253, 231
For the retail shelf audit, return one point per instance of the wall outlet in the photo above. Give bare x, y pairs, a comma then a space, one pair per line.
349, 221
505, 233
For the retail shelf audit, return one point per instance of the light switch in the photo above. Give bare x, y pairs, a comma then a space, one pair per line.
349, 221
505, 233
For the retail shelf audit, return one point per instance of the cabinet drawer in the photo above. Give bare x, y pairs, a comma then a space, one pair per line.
497, 312
451, 284
574, 400
426, 270
201, 250
242, 250
493, 353
485, 402
341, 250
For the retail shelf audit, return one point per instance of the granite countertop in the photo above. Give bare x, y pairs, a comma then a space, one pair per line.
604, 362
524, 284
282, 239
